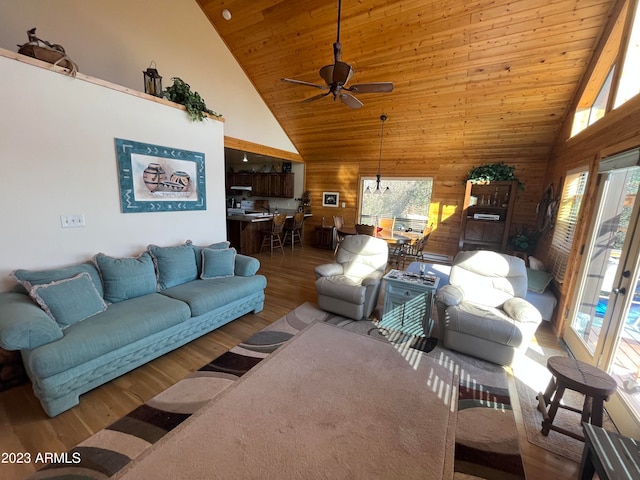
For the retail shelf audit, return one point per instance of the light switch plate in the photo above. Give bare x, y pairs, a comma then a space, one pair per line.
72, 221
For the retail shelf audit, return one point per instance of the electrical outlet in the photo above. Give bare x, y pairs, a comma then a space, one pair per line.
72, 221
344, 204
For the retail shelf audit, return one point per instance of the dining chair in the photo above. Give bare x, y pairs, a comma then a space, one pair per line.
338, 223
272, 237
416, 251
363, 229
293, 232
387, 224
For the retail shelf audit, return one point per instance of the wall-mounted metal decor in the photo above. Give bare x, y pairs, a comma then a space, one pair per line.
159, 179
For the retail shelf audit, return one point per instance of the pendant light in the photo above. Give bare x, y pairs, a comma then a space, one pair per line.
378, 190
245, 159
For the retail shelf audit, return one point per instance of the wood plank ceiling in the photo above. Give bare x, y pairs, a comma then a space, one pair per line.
485, 79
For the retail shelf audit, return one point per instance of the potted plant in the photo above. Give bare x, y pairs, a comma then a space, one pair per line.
524, 239
493, 172
180, 92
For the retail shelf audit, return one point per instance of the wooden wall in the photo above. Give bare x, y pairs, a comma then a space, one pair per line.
448, 173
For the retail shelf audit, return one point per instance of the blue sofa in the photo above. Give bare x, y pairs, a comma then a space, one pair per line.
83, 325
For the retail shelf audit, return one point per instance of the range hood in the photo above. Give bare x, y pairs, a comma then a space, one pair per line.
244, 188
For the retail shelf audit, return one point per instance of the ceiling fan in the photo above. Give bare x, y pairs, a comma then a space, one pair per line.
336, 77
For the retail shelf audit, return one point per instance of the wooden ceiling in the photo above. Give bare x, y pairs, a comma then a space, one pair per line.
486, 80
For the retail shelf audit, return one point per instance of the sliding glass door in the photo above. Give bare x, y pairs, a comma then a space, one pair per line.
605, 319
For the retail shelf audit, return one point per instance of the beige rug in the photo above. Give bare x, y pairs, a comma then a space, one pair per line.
328, 404
533, 377
485, 434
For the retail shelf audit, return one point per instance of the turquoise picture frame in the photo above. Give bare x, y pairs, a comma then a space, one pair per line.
154, 178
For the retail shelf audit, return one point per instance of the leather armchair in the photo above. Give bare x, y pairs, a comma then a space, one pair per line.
483, 312
350, 286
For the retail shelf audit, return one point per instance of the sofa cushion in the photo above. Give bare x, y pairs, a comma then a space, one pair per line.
341, 287
125, 278
174, 265
24, 324
120, 325
69, 301
197, 250
202, 296
29, 278
218, 263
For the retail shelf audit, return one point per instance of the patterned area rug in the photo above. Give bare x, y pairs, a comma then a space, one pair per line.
486, 436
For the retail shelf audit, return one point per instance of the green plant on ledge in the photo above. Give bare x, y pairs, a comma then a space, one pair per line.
180, 92
493, 172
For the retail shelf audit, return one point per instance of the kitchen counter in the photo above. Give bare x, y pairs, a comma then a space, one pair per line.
244, 231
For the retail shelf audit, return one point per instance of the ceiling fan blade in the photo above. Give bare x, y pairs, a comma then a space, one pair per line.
338, 73
342, 73
374, 87
350, 101
315, 97
300, 82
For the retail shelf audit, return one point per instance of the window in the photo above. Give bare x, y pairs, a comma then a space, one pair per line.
595, 99
566, 222
629, 86
407, 200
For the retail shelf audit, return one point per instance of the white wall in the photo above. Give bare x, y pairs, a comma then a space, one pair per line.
116, 40
57, 156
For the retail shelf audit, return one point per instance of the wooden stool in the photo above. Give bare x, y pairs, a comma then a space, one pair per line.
594, 384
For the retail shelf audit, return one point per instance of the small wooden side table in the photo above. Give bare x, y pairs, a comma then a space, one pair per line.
611, 455
568, 373
408, 302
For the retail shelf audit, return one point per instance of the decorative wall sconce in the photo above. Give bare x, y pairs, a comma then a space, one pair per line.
152, 81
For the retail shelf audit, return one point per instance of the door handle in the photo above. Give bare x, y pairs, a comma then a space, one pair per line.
620, 291
626, 273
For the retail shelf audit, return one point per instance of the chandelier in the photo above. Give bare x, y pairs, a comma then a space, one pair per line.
378, 190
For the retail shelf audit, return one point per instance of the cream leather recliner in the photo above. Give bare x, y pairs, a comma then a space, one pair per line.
483, 312
350, 286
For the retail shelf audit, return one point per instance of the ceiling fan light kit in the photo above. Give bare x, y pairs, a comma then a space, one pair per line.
336, 77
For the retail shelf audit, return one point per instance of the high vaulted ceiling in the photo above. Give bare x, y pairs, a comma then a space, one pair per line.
483, 79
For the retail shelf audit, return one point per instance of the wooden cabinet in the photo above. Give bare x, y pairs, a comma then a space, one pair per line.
272, 184
263, 184
486, 215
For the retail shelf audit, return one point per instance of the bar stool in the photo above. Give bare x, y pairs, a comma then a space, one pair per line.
568, 373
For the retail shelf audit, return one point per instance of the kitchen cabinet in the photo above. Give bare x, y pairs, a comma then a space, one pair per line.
263, 184
272, 184
486, 215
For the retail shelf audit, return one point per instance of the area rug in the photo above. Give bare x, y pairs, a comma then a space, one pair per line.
532, 377
489, 439
328, 404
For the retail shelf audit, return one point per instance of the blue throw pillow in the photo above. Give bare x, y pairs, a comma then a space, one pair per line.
125, 278
198, 251
69, 301
218, 263
174, 265
29, 278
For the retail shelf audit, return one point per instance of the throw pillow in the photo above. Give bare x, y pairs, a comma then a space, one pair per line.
29, 278
125, 278
174, 265
69, 301
218, 263
536, 264
538, 280
197, 250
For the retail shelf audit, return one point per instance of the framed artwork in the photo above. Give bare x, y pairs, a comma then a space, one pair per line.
330, 199
159, 179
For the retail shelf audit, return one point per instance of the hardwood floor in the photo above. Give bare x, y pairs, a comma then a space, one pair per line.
25, 428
